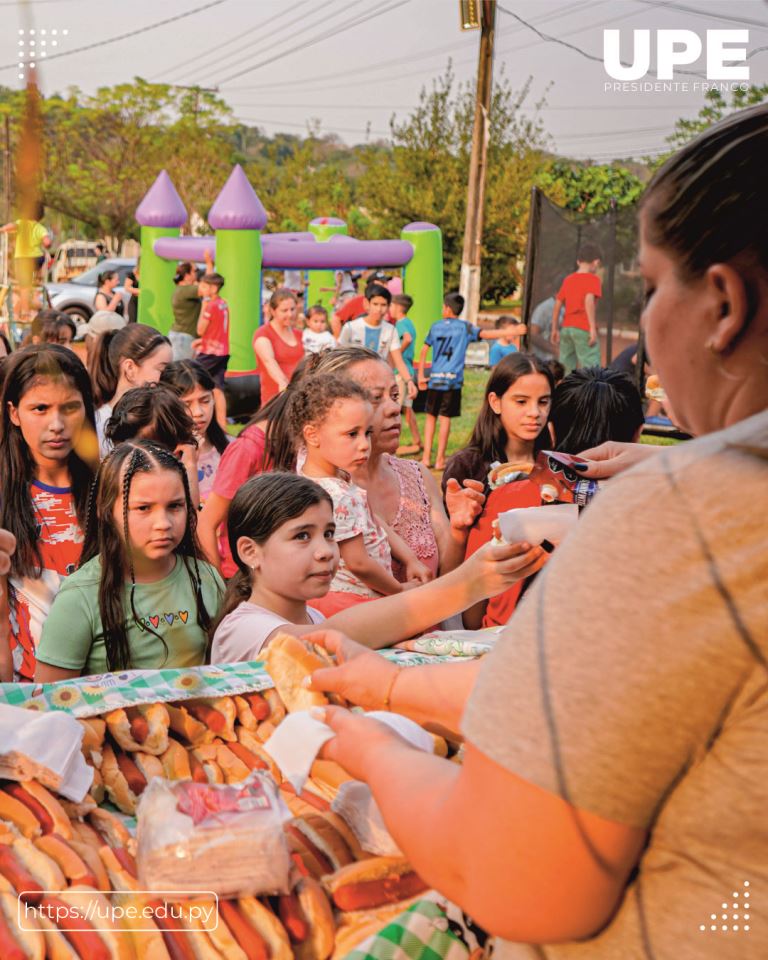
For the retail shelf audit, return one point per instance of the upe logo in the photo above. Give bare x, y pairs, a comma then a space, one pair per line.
675, 48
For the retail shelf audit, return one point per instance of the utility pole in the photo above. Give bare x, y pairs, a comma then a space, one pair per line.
469, 283
7, 169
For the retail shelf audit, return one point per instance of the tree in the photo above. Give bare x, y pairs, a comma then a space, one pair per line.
587, 189
299, 180
424, 177
715, 108
103, 151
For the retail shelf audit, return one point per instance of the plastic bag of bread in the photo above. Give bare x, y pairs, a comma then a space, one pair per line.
226, 839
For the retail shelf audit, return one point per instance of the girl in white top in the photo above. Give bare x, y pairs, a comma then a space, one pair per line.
281, 534
122, 359
195, 387
330, 417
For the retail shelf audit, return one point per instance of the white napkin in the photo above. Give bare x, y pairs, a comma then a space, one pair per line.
534, 524
44, 746
295, 744
415, 735
298, 739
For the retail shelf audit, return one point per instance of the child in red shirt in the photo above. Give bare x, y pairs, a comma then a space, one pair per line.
579, 344
213, 329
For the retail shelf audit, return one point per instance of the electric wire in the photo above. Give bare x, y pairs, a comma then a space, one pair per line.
123, 36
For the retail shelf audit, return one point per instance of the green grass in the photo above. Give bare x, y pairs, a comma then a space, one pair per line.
475, 379
472, 393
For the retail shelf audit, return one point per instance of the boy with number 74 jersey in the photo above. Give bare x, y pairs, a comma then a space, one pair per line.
449, 339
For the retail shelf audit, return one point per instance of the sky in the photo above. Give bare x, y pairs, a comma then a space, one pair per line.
348, 65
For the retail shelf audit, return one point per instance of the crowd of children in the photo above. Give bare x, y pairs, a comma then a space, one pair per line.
132, 504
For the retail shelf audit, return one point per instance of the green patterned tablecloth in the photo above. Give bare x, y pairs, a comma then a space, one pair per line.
91, 696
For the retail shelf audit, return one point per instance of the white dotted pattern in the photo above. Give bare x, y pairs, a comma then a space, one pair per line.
735, 928
28, 57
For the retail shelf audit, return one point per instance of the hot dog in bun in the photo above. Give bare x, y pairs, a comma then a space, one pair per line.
143, 727
373, 883
289, 661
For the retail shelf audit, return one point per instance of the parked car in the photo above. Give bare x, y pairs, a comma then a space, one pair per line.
77, 295
72, 258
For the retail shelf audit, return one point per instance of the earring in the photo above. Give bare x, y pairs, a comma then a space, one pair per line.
711, 347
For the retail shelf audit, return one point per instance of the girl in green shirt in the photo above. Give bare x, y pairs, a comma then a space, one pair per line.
142, 597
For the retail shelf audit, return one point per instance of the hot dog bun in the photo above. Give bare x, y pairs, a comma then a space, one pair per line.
254, 746
268, 926
69, 861
90, 857
94, 729
187, 727
322, 930
46, 807
39, 865
26, 939
112, 829
373, 883
654, 389
289, 661
85, 899
143, 727
218, 714
506, 471
141, 931
277, 709
15, 812
175, 762
125, 796
120, 877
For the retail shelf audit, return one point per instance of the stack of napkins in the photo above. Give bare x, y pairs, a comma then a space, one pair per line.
44, 747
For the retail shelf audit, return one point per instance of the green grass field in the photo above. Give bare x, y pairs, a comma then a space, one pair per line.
475, 379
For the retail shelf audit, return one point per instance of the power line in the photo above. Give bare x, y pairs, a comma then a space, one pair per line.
305, 126
258, 47
261, 48
571, 46
410, 58
225, 43
388, 64
309, 43
125, 36
632, 131
710, 16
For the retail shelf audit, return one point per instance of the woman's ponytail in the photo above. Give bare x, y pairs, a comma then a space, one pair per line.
182, 270
104, 375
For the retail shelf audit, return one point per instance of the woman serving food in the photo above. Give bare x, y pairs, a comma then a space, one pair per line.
615, 779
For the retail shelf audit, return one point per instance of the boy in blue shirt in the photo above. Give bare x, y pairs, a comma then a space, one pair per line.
505, 344
398, 312
449, 339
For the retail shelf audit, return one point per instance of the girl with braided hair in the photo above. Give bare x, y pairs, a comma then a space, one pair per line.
143, 597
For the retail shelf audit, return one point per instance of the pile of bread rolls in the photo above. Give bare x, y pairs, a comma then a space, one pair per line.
340, 893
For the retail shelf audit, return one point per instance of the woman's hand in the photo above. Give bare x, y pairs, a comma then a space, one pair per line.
497, 566
358, 741
464, 504
362, 676
612, 457
417, 571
